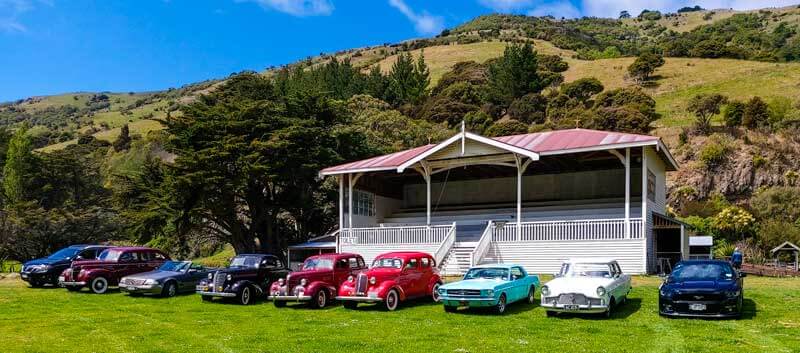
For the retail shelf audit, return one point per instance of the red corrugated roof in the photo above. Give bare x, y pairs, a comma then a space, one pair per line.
550, 142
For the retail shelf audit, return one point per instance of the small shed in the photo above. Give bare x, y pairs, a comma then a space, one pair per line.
790, 247
298, 253
701, 247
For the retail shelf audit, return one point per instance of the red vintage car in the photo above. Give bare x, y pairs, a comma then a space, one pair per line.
394, 277
317, 281
111, 265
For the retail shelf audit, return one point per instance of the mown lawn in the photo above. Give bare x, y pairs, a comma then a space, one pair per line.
55, 320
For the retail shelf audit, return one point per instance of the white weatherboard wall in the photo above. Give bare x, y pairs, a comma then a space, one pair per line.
655, 165
370, 252
545, 257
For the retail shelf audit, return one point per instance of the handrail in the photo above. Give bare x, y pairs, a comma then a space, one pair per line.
446, 245
590, 229
395, 235
483, 245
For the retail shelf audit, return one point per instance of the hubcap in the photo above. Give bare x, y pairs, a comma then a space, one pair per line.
171, 290
246, 295
436, 292
531, 298
501, 305
99, 285
321, 299
391, 300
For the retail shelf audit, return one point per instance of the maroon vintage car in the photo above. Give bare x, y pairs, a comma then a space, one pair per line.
318, 279
111, 265
393, 277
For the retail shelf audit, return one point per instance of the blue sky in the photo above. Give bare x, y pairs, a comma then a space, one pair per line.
57, 46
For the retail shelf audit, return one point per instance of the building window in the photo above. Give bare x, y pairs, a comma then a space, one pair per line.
363, 203
651, 186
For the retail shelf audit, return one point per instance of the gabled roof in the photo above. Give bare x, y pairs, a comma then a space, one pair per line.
787, 245
533, 145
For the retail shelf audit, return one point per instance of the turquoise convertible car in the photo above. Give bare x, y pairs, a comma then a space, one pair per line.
494, 286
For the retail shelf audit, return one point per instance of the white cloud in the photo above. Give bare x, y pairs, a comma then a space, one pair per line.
506, 5
424, 23
10, 11
299, 8
556, 9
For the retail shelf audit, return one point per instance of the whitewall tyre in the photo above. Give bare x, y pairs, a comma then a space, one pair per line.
435, 292
246, 296
392, 300
99, 285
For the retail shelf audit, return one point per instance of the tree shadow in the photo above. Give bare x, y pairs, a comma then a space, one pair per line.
631, 306
652, 82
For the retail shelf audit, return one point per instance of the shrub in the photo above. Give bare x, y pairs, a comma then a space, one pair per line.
780, 202
756, 113
530, 108
582, 89
759, 161
733, 113
507, 128
714, 152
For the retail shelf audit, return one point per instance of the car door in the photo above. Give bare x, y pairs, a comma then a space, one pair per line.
617, 285
518, 282
410, 277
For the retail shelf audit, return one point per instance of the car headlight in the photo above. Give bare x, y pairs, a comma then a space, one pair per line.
601, 291
280, 281
733, 294
545, 290
373, 280
350, 279
303, 282
665, 292
150, 281
229, 277
490, 293
210, 276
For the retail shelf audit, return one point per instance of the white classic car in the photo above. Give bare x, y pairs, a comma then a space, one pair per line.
586, 286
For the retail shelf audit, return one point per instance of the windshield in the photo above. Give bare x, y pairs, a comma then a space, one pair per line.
109, 255
487, 273
175, 266
387, 262
318, 264
702, 272
65, 253
586, 270
245, 261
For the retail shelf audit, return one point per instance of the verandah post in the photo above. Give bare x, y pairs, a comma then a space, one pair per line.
627, 193
644, 206
341, 212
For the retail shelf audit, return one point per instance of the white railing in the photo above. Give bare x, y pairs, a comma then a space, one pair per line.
396, 235
483, 245
595, 229
446, 245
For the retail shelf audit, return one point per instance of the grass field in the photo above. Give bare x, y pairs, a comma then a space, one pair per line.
36, 320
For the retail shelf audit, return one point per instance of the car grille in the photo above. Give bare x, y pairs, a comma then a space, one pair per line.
464, 292
698, 297
361, 284
573, 298
219, 280
134, 282
75, 271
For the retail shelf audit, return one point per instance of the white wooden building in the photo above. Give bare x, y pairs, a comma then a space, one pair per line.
534, 199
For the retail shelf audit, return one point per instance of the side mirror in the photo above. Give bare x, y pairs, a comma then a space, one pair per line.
192, 270
78, 257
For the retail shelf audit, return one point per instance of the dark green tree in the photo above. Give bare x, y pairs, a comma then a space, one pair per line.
582, 89
514, 75
123, 142
704, 107
530, 108
733, 113
645, 65
756, 113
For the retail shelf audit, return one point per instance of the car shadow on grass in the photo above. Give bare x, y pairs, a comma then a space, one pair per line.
631, 306
749, 309
406, 304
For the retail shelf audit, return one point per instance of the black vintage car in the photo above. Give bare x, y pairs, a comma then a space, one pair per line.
702, 288
46, 270
248, 277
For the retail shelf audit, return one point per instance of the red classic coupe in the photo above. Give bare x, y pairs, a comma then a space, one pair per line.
111, 265
394, 277
317, 281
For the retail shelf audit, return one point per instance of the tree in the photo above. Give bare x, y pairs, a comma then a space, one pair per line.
624, 14
123, 142
645, 65
408, 81
478, 122
530, 108
733, 113
19, 164
582, 89
376, 83
507, 128
756, 113
514, 75
704, 107
650, 15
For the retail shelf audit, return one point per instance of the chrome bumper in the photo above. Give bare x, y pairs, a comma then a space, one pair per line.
466, 299
575, 308
70, 283
360, 299
144, 288
217, 294
290, 298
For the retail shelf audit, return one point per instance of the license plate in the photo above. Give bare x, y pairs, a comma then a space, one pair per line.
697, 307
24, 276
204, 288
571, 307
373, 295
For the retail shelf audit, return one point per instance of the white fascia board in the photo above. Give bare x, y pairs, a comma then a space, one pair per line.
660, 145
475, 137
429, 152
357, 170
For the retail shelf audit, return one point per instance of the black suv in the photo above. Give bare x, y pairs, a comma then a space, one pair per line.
248, 276
46, 270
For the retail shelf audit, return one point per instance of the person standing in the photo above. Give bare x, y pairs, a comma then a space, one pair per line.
736, 258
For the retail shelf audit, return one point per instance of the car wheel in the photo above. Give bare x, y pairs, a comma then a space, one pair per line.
450, 309
99, 285
169, 290
206, 298
392, 300
279, 303
320, 299
35, 283
610, 309
350, 305
245, 295
532, 295
551, 313
435, 292
73, 288
500, 308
